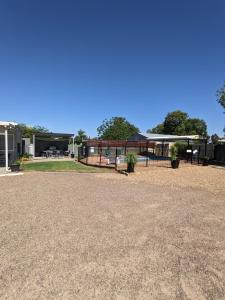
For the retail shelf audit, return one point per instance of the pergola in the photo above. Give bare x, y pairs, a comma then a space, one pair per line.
51, 136
6, 126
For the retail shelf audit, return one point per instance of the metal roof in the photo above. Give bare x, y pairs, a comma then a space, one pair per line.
8, 124
158, 137
53, 134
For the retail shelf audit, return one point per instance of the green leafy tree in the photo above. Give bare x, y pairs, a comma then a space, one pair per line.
28, 131
80, 137
117, 128
158, 129
221, 98
214, 138
195, 126
179, 123
175, 123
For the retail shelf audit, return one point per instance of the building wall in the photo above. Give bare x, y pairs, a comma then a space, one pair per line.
14, 144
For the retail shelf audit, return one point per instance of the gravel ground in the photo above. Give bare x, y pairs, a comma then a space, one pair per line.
158, 234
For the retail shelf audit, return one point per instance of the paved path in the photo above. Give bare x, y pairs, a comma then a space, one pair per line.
104, 236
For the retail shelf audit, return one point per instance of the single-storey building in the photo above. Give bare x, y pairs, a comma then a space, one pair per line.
163, 142
10, 143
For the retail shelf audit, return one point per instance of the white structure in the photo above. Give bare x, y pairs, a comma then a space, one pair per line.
162, 137
10, 142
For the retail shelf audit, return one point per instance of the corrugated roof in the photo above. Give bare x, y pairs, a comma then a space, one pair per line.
155, 136
5, 123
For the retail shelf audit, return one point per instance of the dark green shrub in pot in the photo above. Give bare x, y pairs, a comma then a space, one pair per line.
131, 160
174, 159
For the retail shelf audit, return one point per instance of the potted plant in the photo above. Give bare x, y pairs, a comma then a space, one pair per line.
15, 167
205, 161
174, 160
131, 160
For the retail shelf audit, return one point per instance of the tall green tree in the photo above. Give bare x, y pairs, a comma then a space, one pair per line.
174, 123
80, 137
221, 98
195, 126
117, 128
179, 123
214, 138
158, 129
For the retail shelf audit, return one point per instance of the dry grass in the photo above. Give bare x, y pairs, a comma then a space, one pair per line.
158, 234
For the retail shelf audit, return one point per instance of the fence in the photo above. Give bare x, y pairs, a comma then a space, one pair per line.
219, 153
112, 154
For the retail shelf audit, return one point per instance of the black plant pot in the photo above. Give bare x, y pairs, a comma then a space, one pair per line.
205, 162
15, 167
130, 168
175, 163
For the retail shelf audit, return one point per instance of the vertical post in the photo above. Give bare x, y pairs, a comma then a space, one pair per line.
188, 146
100, 162
146, 154
162, 152
6, 150
205, 147
78, 153
73, 146
87, 153
34, 145
116, 160
199, 149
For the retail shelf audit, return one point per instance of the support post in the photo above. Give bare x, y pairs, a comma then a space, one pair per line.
199, 149
116, 160
205, 147
100, 162
87, 153
6, 150
146, 154
73, 147
162, 153
34, 145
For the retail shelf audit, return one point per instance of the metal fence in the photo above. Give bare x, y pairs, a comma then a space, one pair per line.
112, 154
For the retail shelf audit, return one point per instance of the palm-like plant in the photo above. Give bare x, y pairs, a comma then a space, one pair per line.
173, 152
131, 160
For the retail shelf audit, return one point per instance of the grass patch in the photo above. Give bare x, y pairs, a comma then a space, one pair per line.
57, 166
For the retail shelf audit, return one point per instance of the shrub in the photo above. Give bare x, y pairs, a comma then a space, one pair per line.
173, 152
131, 158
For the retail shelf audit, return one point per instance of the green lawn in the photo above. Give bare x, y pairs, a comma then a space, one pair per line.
49, 166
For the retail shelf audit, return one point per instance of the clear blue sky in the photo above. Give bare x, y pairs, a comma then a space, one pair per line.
68, 64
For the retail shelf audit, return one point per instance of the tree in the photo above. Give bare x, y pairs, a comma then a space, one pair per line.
175, 123
117, 128
214, 138
28, 131
158, 129
195, 126
179, 123
80, 137
221, 96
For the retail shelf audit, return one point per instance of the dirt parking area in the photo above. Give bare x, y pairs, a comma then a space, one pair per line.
157, 234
